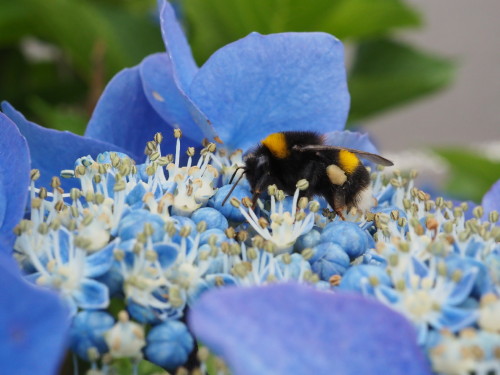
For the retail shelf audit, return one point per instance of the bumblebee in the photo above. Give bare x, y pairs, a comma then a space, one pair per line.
335, 173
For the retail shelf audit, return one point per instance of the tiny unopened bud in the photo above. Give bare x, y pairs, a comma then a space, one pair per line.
185, 231
302, 204
242, 236
211, 147
230, 232
148, 229
55, 182
263, 223
158, 138
395, 215
34, 174
302, 184
314, 206
59, 206
478, 212
42, 193
307, 253
280, 195
271, 190
67, 173
201, 226
36, 203
247, 202
258, 241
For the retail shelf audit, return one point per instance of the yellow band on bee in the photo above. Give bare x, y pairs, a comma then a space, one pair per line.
276, 143
348, 161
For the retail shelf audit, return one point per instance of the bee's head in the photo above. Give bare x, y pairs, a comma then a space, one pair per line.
256, 166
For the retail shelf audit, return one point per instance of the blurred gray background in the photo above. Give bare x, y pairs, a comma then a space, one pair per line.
467, 112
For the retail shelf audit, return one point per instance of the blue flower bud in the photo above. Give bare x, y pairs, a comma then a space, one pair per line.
329, 259
307, 240
216, 263
347, 235
87, 331
169, 344
219, 234
211, 216
360, 278
230, 212
293, 270
133, 224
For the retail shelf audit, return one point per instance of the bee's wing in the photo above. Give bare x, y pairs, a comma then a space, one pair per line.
366, 155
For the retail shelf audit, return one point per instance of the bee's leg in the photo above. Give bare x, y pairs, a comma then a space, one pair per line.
255, 196
337, 201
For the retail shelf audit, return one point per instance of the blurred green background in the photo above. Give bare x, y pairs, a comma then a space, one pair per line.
57, 56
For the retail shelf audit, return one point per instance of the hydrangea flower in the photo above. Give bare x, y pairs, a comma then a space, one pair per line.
152, 232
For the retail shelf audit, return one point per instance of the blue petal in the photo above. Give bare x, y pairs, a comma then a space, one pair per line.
164, 95
463, 288
99, 262
124, 117
182, 65
182, 61
455, 319
491, 200
167, 254
298, 330
52, 151
267, 83
419, 267
91, 295
33, 323
348, 139
14, 180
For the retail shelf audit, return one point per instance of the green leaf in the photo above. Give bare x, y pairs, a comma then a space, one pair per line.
387, 73
84, 30
12, 18
471, 175
214, 23
124, 366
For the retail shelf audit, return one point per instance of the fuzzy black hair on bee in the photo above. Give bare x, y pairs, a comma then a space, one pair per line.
335, 173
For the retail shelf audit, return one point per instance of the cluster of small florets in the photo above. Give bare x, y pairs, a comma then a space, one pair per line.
150, 239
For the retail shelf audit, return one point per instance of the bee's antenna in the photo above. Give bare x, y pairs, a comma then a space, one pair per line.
233, 187
234, 174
